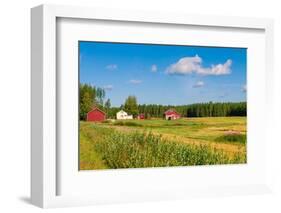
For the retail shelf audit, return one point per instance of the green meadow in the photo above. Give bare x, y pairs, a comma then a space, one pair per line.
159, 143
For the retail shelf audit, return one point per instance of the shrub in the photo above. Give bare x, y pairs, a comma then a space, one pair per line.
233, 138
107, 121
127, 123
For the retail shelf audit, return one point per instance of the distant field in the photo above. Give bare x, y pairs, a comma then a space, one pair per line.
158, 142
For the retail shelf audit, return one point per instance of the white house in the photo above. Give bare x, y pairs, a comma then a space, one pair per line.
122, 115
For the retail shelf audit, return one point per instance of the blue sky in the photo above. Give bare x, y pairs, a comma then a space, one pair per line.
164, 74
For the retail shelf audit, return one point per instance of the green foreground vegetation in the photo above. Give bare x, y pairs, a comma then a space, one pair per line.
161, 143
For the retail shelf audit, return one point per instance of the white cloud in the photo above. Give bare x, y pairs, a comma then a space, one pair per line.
198, 84
154, 68
134, 81
108, 87
111, 67
244, 88
185, 65
219, 69
188, 65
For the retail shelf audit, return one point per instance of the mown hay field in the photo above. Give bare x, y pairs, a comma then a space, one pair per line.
162, 143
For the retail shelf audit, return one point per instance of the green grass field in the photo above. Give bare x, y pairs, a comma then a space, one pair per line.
160, 143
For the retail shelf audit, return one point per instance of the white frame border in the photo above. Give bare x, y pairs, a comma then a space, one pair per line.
43, 91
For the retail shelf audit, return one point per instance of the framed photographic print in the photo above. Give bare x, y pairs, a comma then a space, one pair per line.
130, 106
161, 105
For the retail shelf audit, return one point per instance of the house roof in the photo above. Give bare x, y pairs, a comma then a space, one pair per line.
122, 111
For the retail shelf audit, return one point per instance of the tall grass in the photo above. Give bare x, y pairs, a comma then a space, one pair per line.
138, 150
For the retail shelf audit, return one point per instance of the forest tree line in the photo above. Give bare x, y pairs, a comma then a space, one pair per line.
209, 109
91, 96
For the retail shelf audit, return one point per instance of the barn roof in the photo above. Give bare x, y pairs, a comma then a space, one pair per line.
95, 108
171, 112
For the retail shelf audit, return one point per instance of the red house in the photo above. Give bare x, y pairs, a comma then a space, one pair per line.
171, 114
96, 115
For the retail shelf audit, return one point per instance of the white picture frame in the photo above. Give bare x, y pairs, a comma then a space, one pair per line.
44, 148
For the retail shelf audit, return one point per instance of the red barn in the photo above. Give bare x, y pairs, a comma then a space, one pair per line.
141, 116
171, 114
96, 115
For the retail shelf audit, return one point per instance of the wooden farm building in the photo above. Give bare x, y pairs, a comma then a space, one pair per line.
171, 114
141, 116
96, 115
